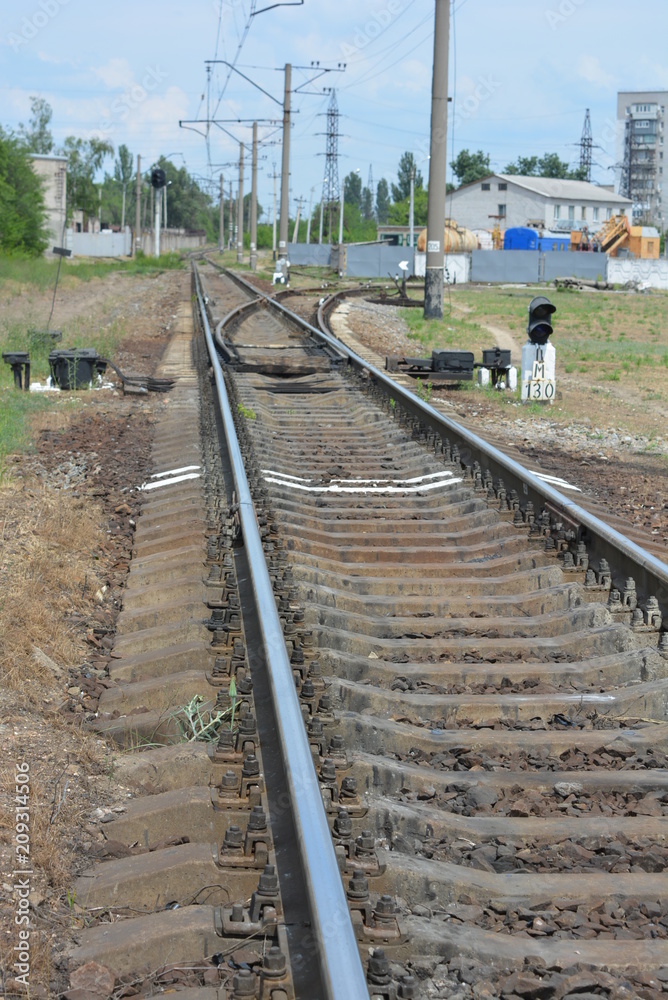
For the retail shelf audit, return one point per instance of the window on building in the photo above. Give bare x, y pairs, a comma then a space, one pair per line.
596, 211
502, 211
583, 212
571, 211
557, 211
503, 186
485, 187
608, 213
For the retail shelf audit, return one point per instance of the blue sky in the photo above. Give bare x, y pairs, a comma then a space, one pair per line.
522, 73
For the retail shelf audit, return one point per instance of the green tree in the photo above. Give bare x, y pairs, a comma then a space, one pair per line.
124, 165
469, 167
188, 205
22, 213
114, 185
525, 166
400, 211
352, 189
84, 159
367, 204
36, 135
382, 201
548, 165
402, 188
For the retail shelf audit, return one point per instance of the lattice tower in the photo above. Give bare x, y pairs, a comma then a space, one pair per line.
330, 186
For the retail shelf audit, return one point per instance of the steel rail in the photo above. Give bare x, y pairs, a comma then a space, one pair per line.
340, 964
626, 559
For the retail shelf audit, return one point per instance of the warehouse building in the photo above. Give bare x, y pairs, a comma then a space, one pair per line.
543, 203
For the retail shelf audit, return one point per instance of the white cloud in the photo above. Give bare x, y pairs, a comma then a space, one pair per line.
116, 74
415, 75
590, 69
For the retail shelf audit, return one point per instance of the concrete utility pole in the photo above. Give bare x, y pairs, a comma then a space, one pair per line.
295, 231
240, 207
231, 217
343, 198
411, 210
322, 213
221, 225
285, 168
138, 207
433, 286
273, 235
156, 243
310, 209
253, 204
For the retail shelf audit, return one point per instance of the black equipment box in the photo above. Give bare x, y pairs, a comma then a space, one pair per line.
458, 363
496, 358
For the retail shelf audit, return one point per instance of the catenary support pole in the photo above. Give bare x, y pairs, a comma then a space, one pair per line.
433, 288
253, 204
285, 169
240, 207
231, 218
221, 224
158, 199
138, 207
310, 210
273, 234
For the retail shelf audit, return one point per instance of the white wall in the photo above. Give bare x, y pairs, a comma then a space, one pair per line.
458, 267
652, 272
171, 239
104, 244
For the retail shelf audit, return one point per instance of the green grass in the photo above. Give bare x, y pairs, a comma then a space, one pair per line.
451, 332
597, 333
41, 272
16, 408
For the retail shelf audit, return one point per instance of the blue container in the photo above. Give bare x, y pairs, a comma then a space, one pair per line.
520, 238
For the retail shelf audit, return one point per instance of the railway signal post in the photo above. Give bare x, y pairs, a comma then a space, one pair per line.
538, 355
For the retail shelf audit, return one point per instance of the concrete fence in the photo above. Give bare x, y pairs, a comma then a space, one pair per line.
172, 239
457, 267
108, 244
310, 254
653, 273
105, 244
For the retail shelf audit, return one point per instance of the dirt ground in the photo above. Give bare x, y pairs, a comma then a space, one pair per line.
67, 509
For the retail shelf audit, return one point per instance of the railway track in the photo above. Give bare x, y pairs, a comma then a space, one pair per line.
440, 765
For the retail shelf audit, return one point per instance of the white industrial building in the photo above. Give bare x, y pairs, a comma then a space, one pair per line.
539, 202
53, 172
641, 119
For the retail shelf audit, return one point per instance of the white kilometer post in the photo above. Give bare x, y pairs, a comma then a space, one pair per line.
538, 372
